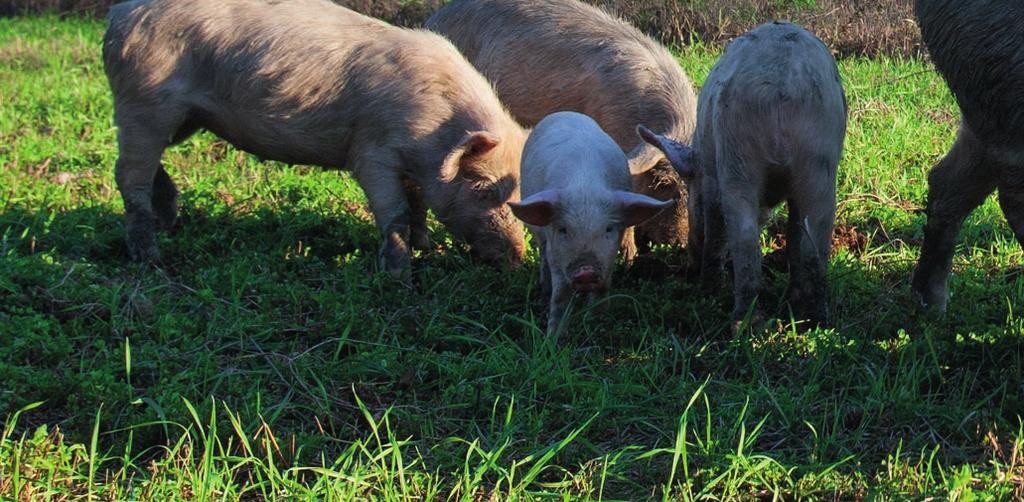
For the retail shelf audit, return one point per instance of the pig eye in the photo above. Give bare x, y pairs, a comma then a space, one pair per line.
563, 230
609, 229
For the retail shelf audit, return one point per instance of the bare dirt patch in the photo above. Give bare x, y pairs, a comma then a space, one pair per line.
846, 237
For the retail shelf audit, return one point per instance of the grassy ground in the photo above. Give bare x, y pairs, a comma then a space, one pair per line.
267, 359
861, 27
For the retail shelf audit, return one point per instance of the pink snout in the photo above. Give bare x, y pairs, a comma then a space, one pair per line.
586, 280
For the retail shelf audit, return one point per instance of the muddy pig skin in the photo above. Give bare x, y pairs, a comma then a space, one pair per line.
309, 82
577, 202
545, 56
771, 121
978, 47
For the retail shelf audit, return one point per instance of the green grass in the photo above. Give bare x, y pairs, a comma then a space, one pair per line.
268, 359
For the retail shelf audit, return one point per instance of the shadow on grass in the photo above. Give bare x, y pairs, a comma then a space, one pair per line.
290, 335
200, 234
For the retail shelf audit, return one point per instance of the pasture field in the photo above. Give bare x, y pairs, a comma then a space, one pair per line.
266, 359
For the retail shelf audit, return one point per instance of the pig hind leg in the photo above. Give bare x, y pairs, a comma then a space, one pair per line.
812, 209
956, 185
165, 193
708, 236
1011, 200
150, 197
165, 199
386, 195
740, 210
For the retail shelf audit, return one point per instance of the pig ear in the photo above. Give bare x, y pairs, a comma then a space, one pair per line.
538, 209
637, 208
460, 161
643, 158
680, 155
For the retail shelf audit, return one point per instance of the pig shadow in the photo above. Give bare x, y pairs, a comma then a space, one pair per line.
869, 276
96, 234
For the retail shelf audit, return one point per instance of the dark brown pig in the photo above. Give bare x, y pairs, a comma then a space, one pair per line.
545, 56
309, 82
978, 47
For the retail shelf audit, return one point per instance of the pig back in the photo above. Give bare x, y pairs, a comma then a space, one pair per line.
978, 47
569, 151
304, 81
545, 56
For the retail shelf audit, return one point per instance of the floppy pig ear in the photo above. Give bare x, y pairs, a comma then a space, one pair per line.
680, 155
637, 208
537, 209
471, 147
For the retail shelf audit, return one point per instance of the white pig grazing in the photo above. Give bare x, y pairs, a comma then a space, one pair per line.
310, 82
577, 203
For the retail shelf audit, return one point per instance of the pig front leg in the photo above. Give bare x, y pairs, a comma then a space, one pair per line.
418, 216
545, 268
387, 198
956, 185
695, 232
595, 300
561, 292
165, 199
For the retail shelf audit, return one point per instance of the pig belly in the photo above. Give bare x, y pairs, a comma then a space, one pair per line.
292, 139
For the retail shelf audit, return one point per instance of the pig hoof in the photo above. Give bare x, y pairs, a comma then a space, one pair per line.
928, 300
419, 240
165, 217
149, 253
747, 321
395, 255
403, 275
754, 324
926, 294
398, 266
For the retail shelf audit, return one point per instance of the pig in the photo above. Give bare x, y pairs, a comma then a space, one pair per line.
545, 56
978, 47
771, 120
577, 204
310, 82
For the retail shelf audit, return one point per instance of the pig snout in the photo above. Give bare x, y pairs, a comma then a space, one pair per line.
510, 258
503, 249
586, 280
495, 237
